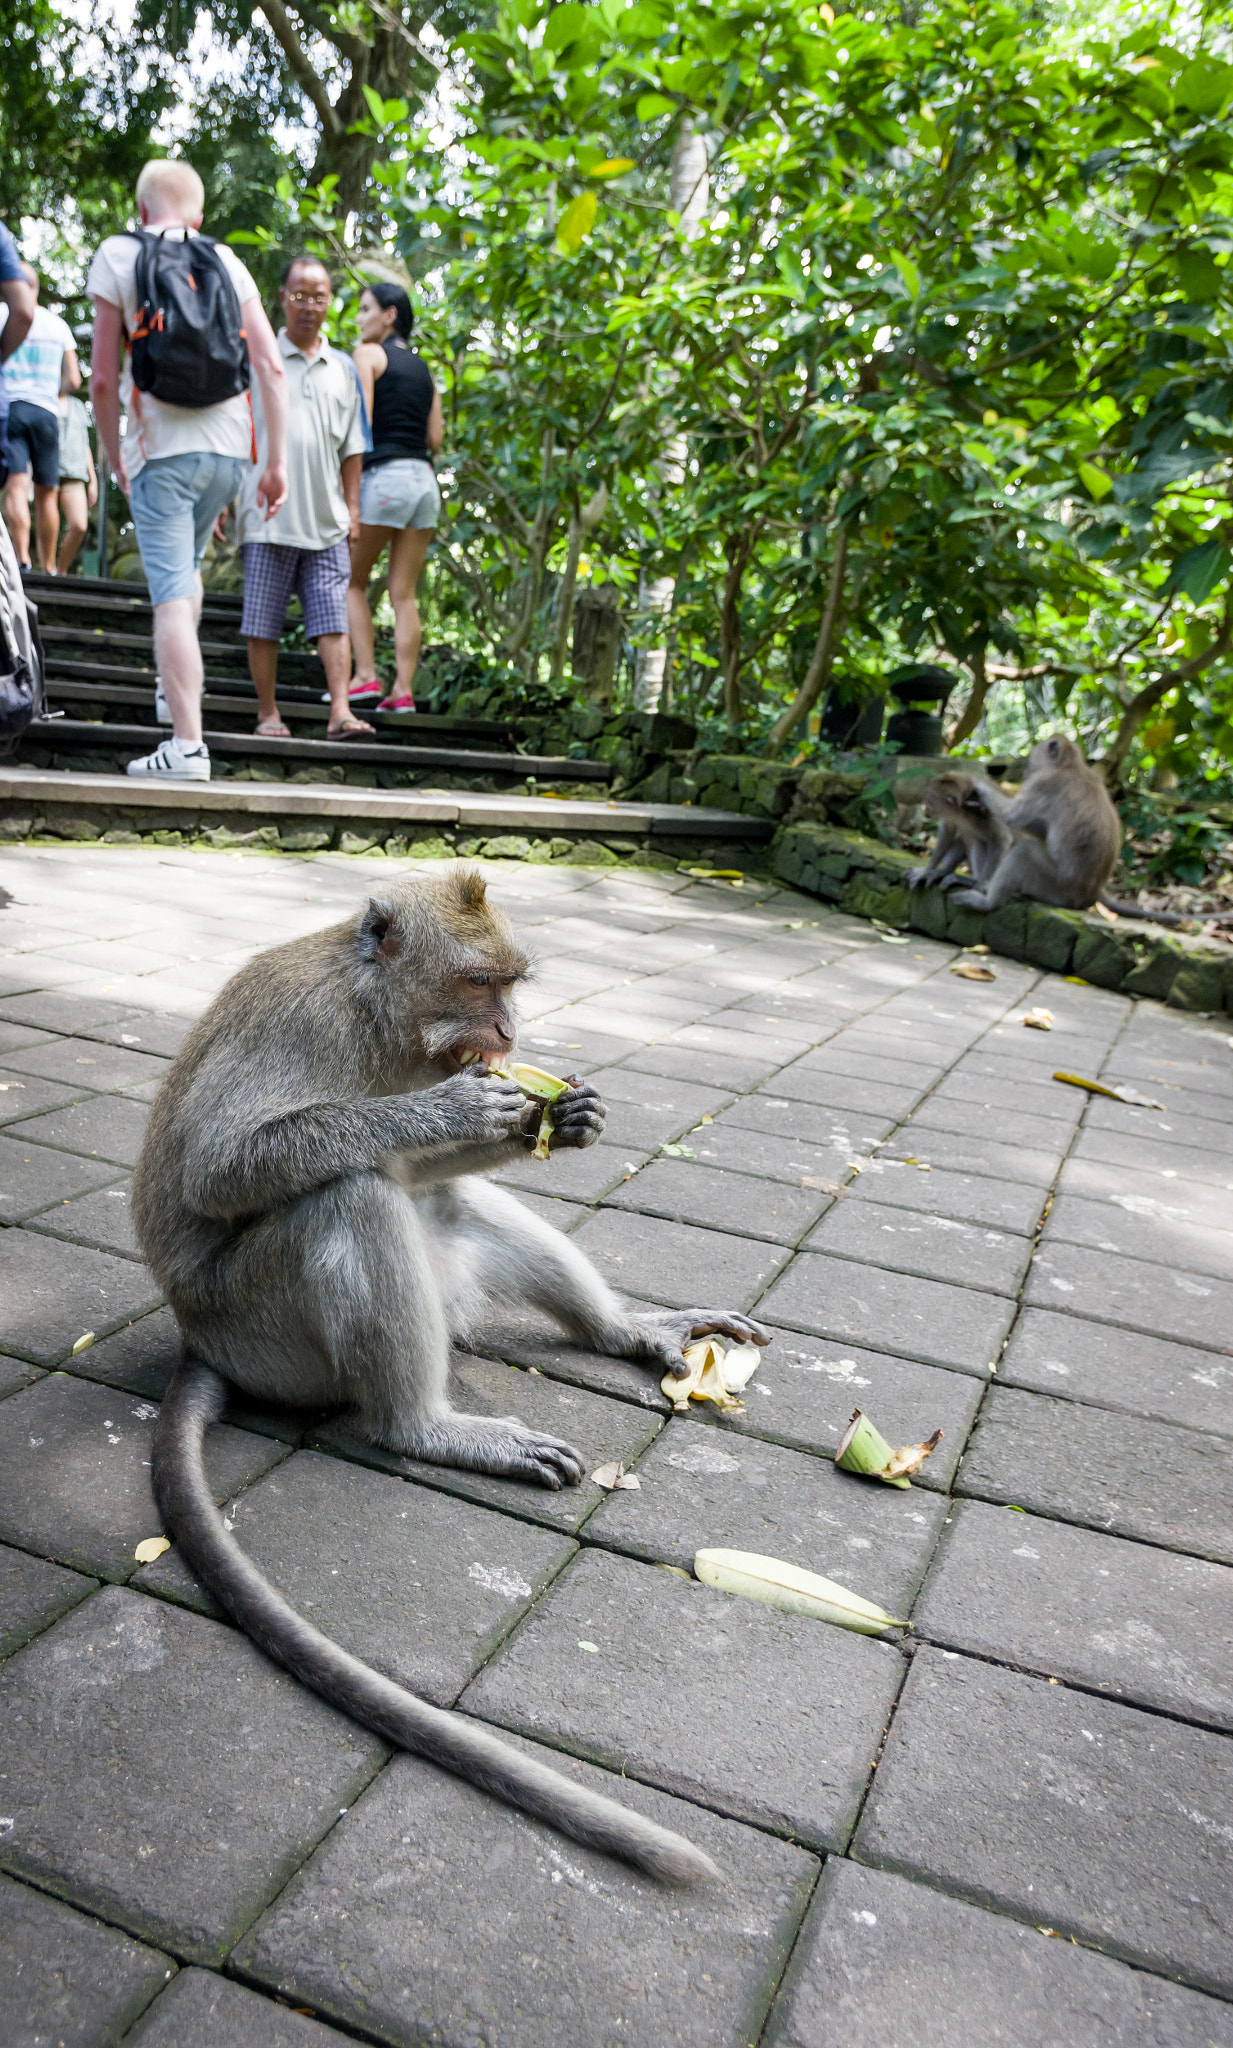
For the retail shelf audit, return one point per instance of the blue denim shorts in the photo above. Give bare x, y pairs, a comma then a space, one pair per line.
175, 500
401, 493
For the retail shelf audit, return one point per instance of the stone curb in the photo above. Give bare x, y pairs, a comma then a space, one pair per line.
868, 879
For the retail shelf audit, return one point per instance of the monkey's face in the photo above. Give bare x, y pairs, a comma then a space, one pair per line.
477, 1012
945, 795
443, 964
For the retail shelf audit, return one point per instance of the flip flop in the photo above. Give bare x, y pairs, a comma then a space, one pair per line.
272, 729
351, 729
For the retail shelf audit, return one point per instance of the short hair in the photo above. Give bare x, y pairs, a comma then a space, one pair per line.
388, 295
303, 257
166, 186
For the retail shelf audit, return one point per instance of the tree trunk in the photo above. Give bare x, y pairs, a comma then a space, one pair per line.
1152, 694
651, 663
542, 528
738, 552
970, 717
584, 521
822, 660
597, 640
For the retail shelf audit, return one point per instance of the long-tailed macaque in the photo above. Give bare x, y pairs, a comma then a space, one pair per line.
968, 829
307, 1197
1068, 833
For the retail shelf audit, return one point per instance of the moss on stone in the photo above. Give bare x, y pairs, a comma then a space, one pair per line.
1198, 985
1050, 937
1155, 972
1102, 957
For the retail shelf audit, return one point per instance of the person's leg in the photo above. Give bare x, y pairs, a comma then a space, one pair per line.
75, 517
177, 657
175, 501
408, 551
47, 524
17, 509
43, 437
269, 579
364, 552
323, 583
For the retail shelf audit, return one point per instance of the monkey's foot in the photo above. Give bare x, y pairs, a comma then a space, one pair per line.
659, 1336
973, 899
915, 876
503, 1447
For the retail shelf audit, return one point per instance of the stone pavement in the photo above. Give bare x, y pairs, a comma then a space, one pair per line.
1011, 1824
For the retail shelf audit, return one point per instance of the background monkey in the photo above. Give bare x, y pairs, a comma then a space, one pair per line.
1069, 833
306, 1197
968, 829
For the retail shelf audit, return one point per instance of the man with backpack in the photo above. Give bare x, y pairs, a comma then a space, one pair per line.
183, 316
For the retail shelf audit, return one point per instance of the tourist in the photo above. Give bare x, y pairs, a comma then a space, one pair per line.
78, 482
17, 303
189, 439
34, 376
303, 552
399, 499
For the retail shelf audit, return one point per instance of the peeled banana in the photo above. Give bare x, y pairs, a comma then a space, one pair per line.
716, 1374
535, 1083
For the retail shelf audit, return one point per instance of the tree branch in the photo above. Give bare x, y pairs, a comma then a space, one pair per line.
301, 70
969, 718
1151, 694
818, 674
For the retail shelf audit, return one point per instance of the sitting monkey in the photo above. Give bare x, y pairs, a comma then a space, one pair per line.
1068, 834
307, 1198
968, 829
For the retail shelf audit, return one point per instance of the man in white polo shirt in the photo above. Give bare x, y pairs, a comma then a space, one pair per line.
180, 463
34, 376
303, 552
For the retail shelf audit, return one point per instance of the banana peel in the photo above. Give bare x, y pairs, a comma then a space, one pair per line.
790, 1587
865, 1450
716, 1373
539, 1086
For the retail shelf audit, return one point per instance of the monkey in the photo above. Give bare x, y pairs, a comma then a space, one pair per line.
968, 829
1068, 834
309, 1197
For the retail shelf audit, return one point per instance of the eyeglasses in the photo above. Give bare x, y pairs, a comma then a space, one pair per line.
309, 298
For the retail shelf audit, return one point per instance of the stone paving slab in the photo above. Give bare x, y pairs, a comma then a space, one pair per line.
52, 1293
23, 1095
32, 1177
600, 1429
89, 1063
1158, 1156
851, 1055
201, 2010
845, 1301
1054, 1805
702, 1488
935, 1247
65, 1978
62, 1011
803, 1397
677, 1263
1115, 1289
20, 1038
1141, 1624
1007, 1101
833, 1131
810, 1080
689, 1192
16, 1374
964, 1197
676, 1062
572, 1948
103, 1219
554, 1209
882, 1963
739, 1149
1026, 1166
1193, 1201
101, 1127
425, 1589
996, 1120
579, 1176
645, 1111
33, 1594
1152, 1237
1104, 1470
1175, 1126
182, 1842
531, 1340
1062, 1355
767, 1717
75, 1473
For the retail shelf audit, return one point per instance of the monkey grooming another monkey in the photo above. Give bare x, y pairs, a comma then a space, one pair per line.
1069, 833
307, 1198
968, 829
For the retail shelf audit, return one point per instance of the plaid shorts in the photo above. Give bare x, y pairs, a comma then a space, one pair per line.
274, 575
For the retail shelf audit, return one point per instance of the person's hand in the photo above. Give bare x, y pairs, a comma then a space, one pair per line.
120, 473
92, 492
354, 532
272, 490
220, 524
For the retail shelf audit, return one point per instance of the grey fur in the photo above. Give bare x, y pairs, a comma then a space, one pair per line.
307, 1197
1068, 833
968, 829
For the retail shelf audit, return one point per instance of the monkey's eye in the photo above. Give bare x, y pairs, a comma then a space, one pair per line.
478, 980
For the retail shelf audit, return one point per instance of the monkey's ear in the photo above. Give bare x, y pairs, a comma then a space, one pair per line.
379, 937
1054, 748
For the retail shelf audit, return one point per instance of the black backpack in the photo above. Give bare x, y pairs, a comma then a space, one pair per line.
188, 347
21, 653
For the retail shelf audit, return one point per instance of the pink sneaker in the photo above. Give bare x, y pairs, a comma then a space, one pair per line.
397, 704
364, 693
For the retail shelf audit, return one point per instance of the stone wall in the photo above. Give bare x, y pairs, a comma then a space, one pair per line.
870, 879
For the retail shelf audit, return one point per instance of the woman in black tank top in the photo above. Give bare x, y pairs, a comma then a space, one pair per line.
399, 499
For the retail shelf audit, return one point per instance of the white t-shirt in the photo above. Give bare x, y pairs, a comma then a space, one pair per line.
325, 424
32, 371
156, 429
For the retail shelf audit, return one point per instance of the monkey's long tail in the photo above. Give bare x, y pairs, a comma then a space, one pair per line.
195, 1399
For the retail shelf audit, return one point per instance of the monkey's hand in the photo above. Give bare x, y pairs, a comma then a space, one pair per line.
949, 882
660, 1335
918, 875
577, 1116
974, 899
477, 1106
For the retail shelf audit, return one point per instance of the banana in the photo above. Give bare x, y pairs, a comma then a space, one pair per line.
788, 1586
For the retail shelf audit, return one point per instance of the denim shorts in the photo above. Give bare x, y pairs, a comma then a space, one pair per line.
400, 494
175, 500
34, 442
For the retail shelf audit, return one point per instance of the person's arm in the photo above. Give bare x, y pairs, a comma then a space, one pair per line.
434, 432
70, 373
105, 384
91, 478
266, 358
19, 298
370, 362
352, 466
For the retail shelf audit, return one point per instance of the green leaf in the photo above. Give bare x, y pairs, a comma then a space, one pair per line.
1198, 276
1094, 480
1198, 571
565, 24
1204, 86
652, 104
611, 167
376, 105
908, 272
577, 221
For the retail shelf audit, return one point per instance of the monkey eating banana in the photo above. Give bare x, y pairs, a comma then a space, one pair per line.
309, 1197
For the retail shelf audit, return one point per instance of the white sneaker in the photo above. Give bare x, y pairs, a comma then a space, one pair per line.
173, 762
162, 709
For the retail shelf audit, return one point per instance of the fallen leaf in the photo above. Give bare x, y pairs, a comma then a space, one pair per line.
825, 1187
615, 1479
1038, 1020
1078, 981
83, 1343
150, 1548
1122, 1094
593, 1647
971, 972
982, 948
678, 1152
1103, 910
708, 1119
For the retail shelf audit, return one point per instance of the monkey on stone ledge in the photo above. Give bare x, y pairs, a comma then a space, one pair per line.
1067, 834
968, 829
307, 1197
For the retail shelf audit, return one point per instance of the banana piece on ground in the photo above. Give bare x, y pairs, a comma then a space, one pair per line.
717, 1373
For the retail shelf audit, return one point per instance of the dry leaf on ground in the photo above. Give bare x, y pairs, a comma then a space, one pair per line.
150, 1548
615, 1479
969, 971
1039, 1020
1122, 1094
